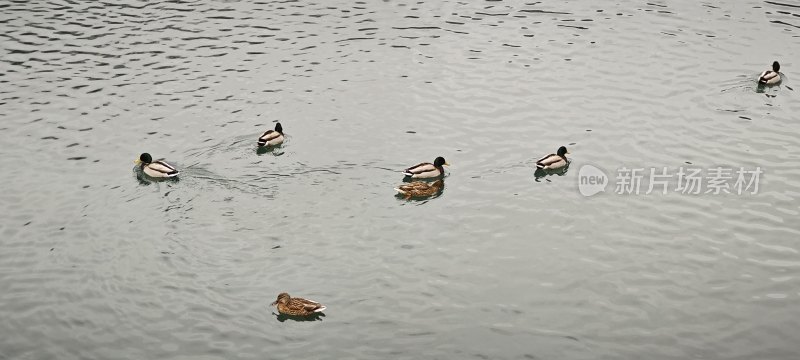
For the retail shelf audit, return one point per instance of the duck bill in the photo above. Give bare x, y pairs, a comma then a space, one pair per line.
137, 161
274, 303
446, 164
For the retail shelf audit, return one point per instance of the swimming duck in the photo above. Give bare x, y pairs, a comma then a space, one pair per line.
420, 189
156, 169
272, 137
297, 306
427, 170
771, 77
554, 161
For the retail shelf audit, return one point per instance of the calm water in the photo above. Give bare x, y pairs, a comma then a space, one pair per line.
96, 264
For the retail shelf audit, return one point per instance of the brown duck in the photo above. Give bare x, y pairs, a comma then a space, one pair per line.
297, 306
420, 189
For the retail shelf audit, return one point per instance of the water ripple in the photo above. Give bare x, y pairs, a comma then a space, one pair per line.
98, 264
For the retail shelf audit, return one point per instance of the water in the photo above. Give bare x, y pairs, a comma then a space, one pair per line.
96, 264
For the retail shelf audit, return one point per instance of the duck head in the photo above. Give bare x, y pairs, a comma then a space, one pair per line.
439, 162
145, 158
562, 151
283, 298
279, 128
776, 67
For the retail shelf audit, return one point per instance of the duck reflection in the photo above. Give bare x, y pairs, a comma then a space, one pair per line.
542, 173
284, 317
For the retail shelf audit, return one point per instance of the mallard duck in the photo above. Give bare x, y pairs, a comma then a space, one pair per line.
554, 161
420, 189
427, 170
771, 77
156, 169
272, 137
297, 306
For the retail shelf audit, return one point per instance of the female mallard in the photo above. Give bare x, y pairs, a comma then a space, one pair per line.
554, 161
771, 77
297, 306
272, 137
156, 169
427, 170
420, 189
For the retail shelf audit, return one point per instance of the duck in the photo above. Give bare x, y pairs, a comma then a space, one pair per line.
427, 170
295, 306
554, 161
420, 189
272, 137
771, 77
156, 169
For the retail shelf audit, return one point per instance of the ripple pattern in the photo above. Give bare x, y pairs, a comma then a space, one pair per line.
97, 264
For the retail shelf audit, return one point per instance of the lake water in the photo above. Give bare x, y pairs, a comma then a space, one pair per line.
97, 264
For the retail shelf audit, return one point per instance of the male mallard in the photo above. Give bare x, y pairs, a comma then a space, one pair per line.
297, 306
771, 77
272, 137
554, 161
427, 170
156, 169
420, 189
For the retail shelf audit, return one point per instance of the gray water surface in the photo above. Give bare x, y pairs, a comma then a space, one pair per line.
97, 264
